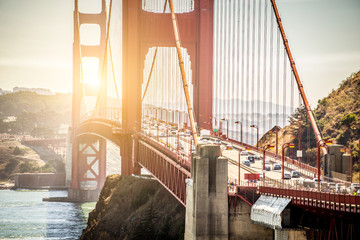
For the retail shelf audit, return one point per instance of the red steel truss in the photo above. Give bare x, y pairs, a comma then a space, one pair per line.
165, 169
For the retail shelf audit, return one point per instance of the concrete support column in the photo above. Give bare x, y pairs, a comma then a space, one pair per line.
289, 234
207, 197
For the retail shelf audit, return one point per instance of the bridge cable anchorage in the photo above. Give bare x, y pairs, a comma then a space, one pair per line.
298, 81
153, 62
107, 41
182, 69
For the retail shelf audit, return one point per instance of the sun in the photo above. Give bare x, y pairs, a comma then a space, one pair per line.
90, 68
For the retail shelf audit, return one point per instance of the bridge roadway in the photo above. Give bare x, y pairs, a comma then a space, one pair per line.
164, 135
302, 196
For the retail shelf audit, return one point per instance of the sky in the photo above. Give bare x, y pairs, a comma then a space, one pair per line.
36, 43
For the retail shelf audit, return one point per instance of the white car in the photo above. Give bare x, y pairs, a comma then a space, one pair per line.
217, 141
287, 176
244, 153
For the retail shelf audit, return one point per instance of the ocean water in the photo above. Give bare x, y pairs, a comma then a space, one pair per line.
23, 215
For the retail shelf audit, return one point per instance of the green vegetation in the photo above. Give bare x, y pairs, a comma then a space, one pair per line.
337, 116
18, 165
38, 115
18, 151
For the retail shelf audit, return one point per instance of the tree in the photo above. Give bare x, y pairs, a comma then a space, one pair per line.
348, 119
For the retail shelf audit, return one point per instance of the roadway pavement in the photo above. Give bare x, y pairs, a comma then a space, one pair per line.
232, 155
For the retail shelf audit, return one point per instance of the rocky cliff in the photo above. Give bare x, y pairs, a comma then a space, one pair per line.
135, 208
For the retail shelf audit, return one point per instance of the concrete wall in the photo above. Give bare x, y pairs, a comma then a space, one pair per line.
337, 164
39, 180
289, 234
240, 226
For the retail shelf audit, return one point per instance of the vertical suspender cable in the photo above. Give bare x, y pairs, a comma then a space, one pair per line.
222, 80
235, 69
264, 73
181, 65
259, 62
284, 90
247, 70
253, 69
233, 62
242, 63
216, 64
228, 66
277, 77
271, 69
238, 78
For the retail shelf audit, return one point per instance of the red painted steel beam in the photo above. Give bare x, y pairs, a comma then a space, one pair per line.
166, 170
331, 201
204, 84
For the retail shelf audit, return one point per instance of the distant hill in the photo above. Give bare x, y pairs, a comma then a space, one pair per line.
339, 113
35, 114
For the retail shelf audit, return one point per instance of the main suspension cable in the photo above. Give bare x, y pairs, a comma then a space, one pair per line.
107, 40
182, 69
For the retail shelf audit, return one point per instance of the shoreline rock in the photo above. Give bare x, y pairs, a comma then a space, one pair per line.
135, 208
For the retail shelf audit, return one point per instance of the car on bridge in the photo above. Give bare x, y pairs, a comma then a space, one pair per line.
246, 162
287, 176
244, 153
217, 141
251, 158
267, 167
257, 157
276, 166
295, 174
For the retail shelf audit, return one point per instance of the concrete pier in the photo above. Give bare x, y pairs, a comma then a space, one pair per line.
207, 198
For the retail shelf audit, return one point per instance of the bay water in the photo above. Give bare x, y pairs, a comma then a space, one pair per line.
23, 215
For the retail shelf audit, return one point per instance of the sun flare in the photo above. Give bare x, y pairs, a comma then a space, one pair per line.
90, 67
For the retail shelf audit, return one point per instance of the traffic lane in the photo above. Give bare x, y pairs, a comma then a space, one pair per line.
256, 166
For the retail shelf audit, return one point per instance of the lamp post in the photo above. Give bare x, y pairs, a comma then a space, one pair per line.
284, 146
227, 127
264, 150
319, 145
257, 135
241, 135
351, 161
157, 131
226, 148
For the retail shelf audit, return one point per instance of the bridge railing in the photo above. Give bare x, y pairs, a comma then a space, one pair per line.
328, 200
